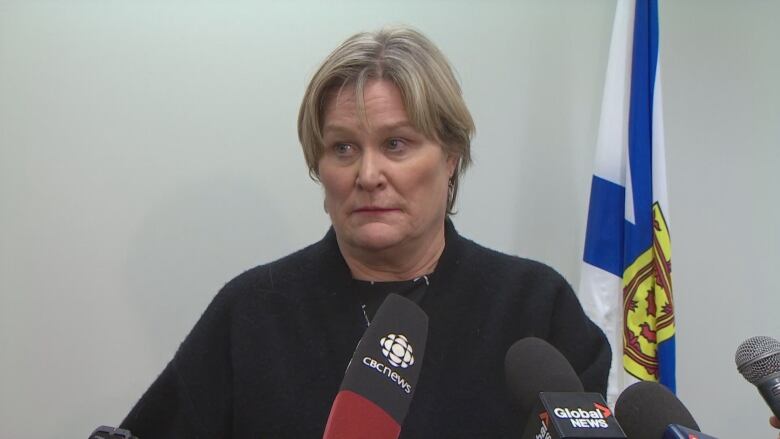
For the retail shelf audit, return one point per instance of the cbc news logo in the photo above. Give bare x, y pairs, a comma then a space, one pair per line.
397, 350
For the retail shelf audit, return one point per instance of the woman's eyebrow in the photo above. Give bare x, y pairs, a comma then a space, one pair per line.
333, 129
338, 129
404, 123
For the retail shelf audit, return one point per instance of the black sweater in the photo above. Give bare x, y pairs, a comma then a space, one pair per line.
268, 355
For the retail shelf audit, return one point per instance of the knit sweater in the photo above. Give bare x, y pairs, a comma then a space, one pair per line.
267, 357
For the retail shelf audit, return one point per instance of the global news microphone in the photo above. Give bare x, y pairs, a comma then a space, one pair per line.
387, 134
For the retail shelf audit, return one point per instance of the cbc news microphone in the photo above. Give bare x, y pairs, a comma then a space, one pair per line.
648, 410
382, 375
545, 385
758, 360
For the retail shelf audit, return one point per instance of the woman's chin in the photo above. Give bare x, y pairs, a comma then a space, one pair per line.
376, 236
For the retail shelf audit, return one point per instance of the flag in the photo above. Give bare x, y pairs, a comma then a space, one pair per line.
626, 283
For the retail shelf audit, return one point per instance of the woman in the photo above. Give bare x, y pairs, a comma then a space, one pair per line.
385, 130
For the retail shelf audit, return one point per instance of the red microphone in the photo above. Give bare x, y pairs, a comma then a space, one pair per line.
381, 378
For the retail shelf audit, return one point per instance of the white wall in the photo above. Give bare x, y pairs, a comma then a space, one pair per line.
148, 154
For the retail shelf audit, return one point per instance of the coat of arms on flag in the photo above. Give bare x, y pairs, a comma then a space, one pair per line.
648, 312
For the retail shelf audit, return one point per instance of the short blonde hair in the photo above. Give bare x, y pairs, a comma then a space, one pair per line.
431, 94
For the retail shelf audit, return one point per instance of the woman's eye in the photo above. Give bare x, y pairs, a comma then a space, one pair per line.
395, 145
343, 149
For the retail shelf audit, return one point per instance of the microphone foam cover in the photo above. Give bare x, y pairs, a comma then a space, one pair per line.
531, 366
646, 408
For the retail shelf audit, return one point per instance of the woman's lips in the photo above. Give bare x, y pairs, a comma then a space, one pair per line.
374, 210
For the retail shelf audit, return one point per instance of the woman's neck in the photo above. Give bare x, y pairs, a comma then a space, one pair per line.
403, 262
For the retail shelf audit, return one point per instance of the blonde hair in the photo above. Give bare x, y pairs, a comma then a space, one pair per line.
432, 96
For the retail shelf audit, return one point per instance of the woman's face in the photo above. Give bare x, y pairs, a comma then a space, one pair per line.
385, 182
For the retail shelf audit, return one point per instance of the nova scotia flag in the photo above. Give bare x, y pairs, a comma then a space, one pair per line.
626, 285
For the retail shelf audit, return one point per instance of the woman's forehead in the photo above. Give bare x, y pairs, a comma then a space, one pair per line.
381, 104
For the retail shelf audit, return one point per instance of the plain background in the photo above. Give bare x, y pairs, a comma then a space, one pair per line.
148, 154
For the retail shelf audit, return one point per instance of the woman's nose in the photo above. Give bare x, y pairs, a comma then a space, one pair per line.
371, 173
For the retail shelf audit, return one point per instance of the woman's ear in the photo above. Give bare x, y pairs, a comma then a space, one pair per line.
453, 160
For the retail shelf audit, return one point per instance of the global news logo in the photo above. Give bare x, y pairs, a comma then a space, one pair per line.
581, 418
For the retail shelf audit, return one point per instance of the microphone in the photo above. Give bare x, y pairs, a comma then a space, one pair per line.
648, 410
531, 366
676, 431
758, 360
106, 432
381, 377
545, 385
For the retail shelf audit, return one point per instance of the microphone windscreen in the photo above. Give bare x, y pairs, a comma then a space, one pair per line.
646, 408
382, 375
758, 358
531, 366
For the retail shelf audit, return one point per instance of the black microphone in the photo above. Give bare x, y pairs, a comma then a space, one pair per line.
106, 432
381, 378
758, 360
544, 384
648, 410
